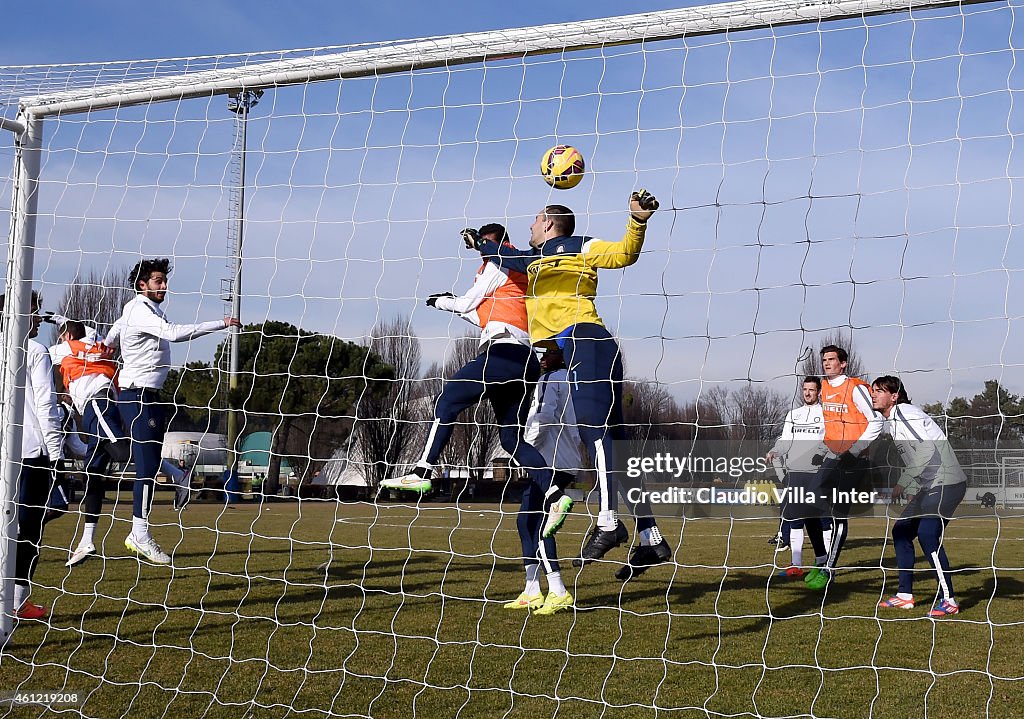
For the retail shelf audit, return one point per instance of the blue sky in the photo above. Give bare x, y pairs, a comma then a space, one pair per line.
69, 31
858, 175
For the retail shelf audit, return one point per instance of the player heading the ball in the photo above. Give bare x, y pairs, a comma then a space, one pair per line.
504, 370
562, 271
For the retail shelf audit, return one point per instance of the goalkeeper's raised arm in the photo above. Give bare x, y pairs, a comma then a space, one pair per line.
616, 255
562, 270
562, 267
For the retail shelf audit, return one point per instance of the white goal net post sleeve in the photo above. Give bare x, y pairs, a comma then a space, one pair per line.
16, 325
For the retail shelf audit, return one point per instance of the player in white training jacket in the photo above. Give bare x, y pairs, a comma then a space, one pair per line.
551, 429
42, 453
796, 450
936, 484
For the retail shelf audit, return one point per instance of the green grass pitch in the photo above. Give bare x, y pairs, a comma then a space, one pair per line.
245, 624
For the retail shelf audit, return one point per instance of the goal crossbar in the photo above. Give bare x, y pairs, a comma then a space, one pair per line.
469, 48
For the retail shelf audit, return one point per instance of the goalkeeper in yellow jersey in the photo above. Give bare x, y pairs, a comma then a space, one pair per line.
562, 273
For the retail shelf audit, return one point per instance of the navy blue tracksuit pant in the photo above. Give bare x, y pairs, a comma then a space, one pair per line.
106, 440
595, 376
34, 485
529, 522
142, 416
926, 518
798, 515
505, 374
842, 475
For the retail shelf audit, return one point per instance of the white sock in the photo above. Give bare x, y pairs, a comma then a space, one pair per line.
820, 561
532, 579
140, 527
651, 536
796, 544
555, 584
608, 520
20, 595
905, 596
88, 533
953, 602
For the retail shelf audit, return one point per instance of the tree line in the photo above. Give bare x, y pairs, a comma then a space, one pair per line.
315, 393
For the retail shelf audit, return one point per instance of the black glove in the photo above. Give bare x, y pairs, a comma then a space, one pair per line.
472, 238
432, 300
648, 204
820, 459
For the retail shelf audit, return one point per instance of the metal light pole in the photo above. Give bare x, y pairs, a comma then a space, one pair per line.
239, 103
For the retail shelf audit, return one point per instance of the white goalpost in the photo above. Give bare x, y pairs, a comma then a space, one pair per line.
825, 167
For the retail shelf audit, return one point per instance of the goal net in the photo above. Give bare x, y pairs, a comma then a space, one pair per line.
835, 169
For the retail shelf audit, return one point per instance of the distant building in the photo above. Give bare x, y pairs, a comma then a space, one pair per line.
207, 452
254, 455
195, 448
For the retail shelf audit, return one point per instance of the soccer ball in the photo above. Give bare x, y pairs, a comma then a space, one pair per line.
562, 167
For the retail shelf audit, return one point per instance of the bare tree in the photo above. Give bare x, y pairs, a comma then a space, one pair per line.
650, 412
750, 414
758, 414
386, 423
712, 409
646, 407
652, 419
475, 439
811, 364
96, 298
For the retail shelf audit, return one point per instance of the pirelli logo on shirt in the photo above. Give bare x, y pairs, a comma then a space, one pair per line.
837, 407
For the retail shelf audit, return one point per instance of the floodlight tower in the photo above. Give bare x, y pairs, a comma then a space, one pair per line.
239, 103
